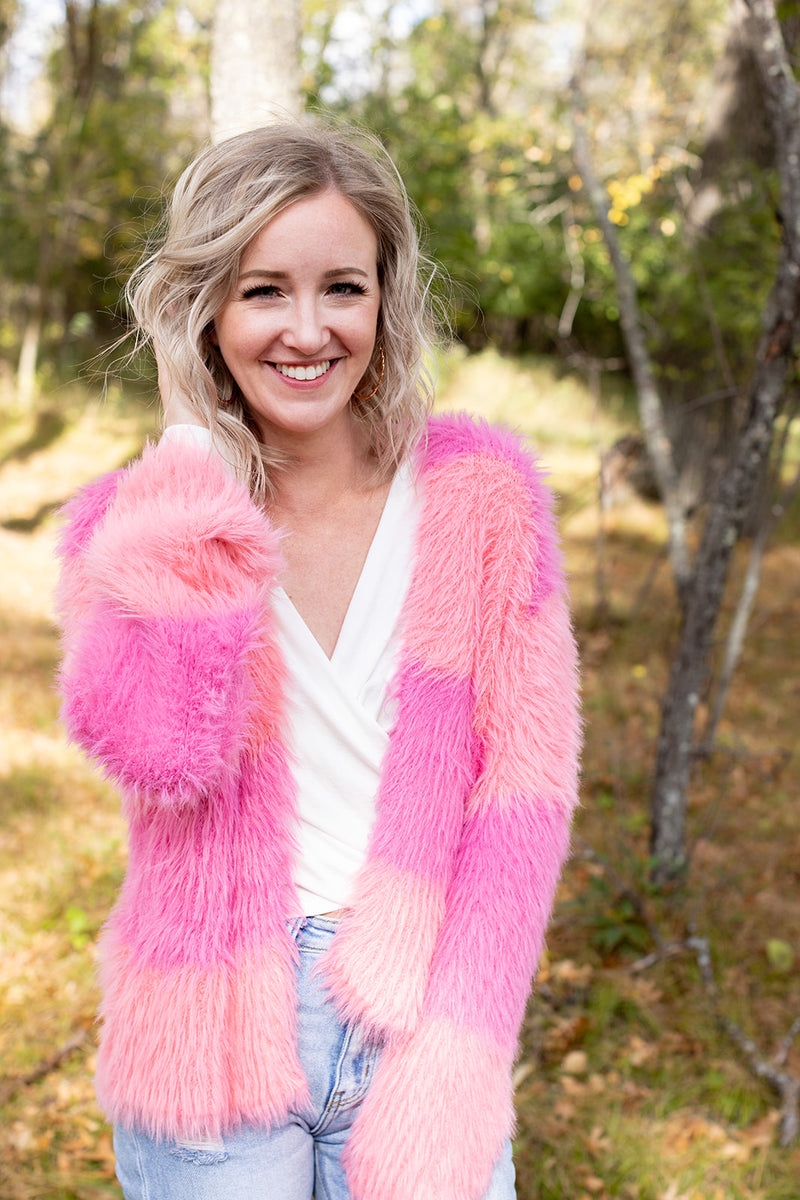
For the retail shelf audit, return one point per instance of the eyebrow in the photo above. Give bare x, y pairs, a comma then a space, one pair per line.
265, 273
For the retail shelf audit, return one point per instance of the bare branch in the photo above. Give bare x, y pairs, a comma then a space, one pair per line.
782, 1053
577, 278
10, 1087
783, 103
787, 1086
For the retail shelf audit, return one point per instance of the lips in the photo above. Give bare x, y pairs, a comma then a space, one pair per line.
304, 373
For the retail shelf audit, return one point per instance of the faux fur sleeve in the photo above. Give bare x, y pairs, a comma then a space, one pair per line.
440, 1106
163, 601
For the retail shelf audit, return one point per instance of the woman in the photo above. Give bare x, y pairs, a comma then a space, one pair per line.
320, 642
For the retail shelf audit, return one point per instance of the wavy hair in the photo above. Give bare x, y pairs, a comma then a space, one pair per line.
222, 200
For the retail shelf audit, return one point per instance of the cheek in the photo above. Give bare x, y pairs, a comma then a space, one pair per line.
240, 338
365, 330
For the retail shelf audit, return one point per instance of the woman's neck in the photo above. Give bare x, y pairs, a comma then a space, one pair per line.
316, 478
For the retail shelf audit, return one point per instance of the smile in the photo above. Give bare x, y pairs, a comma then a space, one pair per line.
312, 371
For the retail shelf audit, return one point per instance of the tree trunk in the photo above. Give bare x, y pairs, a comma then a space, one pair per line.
731, 504
651, 411
255, 65
736, 127
772, 510
28, 356
739, 482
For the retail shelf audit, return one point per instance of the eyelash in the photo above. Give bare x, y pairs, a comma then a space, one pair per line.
263, 289
269, 290
353, 288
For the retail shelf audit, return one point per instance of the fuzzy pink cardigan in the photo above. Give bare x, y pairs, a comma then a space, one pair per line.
172, 680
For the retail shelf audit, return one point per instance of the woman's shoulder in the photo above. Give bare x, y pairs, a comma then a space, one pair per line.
85, 510
175, 488
172, 533
461, 444
487, 476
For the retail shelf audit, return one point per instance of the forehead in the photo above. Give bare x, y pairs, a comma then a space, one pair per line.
323, 226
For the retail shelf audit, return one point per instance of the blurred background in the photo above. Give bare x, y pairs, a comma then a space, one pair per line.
611, 192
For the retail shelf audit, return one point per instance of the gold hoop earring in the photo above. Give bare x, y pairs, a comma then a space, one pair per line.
369, 395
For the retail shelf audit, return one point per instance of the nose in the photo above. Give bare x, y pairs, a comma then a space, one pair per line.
306, 330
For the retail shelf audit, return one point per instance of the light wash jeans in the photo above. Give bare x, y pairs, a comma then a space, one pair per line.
301, 1158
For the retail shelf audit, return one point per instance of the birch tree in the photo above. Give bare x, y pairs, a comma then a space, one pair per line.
255, 64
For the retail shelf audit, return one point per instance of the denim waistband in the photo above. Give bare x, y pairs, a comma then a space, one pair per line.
313, 932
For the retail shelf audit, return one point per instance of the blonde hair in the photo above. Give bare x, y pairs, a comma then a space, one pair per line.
222, 200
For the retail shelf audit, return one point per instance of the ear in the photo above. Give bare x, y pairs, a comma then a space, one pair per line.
211, 334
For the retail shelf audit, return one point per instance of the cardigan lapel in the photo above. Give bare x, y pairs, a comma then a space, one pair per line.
379, 962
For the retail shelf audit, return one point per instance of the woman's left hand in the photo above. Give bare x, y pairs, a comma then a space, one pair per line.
178, 409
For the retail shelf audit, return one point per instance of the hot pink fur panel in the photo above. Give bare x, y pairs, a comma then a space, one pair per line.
173, 680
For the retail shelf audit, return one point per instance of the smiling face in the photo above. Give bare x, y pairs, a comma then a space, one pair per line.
298, 331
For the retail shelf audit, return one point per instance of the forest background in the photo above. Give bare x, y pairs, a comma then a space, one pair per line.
609, 189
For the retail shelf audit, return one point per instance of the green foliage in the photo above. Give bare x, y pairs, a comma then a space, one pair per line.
127, 108
77, 923
780, 955
470, 104
475, 167
616, 922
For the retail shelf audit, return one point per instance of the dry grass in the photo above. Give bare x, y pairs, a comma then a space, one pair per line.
625, 1087
61, 834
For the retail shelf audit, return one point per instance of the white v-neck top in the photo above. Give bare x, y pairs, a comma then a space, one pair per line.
341, 709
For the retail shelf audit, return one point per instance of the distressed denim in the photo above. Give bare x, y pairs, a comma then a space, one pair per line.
302, 1157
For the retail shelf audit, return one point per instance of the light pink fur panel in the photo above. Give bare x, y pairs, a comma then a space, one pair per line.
415, 1137
182, 538
162, 1064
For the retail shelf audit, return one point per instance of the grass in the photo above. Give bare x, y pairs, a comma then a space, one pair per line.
61, 834
625, 1086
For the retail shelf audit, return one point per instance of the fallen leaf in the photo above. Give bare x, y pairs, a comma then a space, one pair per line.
572, 1086
575, 1063
593, 1183
780, 955
564, 1109
641, 1051
569, 972
523, 1070
597, 1142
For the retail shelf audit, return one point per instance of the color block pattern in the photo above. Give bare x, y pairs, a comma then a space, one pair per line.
510, 654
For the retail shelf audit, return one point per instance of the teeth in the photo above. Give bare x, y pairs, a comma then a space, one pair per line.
311, 372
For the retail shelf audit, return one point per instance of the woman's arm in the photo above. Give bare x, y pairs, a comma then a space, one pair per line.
440, 1107
162, 596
